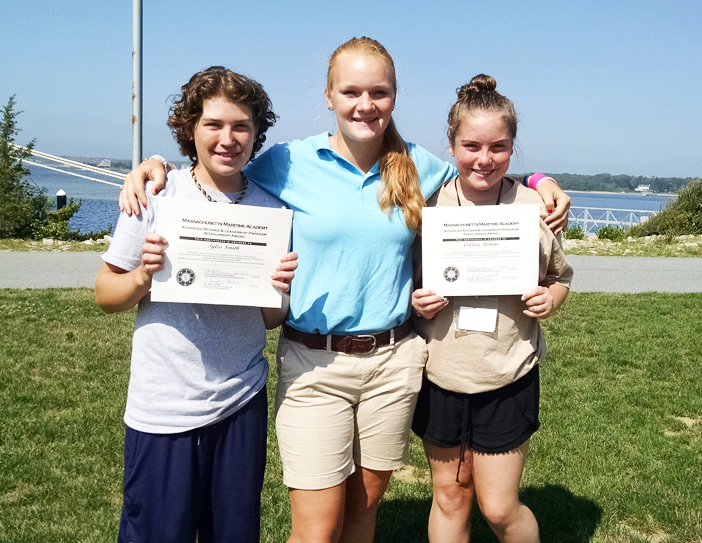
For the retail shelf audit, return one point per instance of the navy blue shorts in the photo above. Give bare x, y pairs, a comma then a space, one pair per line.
489, 422
204, 483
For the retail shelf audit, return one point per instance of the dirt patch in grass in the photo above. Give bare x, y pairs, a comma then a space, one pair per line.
651, 536
689, 424
412, 474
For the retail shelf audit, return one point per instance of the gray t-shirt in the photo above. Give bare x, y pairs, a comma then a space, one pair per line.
192, 364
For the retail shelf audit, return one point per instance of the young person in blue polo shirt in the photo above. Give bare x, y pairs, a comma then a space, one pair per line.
349, 365
195, 442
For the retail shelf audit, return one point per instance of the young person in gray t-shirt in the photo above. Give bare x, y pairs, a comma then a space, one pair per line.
195, 441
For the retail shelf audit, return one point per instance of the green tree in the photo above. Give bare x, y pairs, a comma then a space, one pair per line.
25, 210
23, 206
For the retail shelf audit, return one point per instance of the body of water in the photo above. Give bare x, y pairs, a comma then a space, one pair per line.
609, 200
99, 201
99, 208
592, 210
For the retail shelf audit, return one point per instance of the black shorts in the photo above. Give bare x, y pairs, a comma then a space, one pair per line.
490, 422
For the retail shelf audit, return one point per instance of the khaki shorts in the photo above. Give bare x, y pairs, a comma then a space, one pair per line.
335, 410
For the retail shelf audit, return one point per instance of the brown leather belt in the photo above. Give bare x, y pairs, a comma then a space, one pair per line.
349, 344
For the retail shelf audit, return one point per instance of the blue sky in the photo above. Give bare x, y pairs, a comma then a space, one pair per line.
599, 86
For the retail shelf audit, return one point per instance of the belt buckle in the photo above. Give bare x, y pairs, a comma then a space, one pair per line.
365, 337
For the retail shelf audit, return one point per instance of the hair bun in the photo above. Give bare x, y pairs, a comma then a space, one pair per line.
480, 83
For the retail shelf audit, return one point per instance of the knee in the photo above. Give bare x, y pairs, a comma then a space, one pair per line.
498, 512
364, 490
360, 508
454, 498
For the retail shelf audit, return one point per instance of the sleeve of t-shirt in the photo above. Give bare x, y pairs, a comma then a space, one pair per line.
559, 269
125, 248
433, 172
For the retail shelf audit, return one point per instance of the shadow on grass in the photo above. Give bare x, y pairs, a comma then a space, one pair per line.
403, 520
563, 517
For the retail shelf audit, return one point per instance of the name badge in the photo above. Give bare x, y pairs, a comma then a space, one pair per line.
476, 319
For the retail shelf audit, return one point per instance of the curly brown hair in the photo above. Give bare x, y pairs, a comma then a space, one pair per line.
211, 83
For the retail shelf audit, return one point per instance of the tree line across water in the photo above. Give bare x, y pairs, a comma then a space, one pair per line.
618, 183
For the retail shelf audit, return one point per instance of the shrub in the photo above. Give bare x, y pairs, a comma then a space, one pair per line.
576, 232
612, 233
681, 217
25, 210
56, 226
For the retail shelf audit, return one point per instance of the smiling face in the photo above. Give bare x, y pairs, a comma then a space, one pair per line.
224, 136
361, 93
482, 148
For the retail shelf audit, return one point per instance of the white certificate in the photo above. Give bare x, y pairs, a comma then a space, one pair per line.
220, 253
480, 250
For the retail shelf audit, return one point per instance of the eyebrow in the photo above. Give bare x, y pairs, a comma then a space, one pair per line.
492, 143
372, 87
216, 119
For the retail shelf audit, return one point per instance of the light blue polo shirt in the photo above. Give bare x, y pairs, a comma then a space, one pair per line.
355, 265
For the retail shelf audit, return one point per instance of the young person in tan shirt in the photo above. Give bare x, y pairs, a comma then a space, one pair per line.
478, 406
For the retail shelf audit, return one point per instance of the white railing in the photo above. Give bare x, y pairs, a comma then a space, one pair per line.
591, 219
73, 164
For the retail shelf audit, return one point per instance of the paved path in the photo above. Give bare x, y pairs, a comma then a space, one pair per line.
43, 269
592, 273
636, 274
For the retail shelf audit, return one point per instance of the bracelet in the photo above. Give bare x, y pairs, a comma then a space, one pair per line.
536, 179
162, 160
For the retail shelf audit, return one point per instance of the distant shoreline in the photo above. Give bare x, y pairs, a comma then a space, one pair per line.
668, 194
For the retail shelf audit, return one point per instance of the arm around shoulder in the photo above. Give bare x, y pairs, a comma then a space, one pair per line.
555, 199
133, 192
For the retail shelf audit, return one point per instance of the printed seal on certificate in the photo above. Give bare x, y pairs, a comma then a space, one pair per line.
185, 277
451, 274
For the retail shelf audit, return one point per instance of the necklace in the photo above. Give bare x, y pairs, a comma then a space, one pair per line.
499, 194
239, 198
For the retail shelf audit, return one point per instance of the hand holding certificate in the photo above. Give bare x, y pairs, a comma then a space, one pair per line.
480, 250
220, 254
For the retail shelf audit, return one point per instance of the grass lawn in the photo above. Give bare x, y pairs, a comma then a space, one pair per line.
618, 457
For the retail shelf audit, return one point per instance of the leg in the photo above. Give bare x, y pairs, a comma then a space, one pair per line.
364, 488
383, 417
497, 487
317, 515
161, 488
315, 400
315, 426
235, 451
449, 520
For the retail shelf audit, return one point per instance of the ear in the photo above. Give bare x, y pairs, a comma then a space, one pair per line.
190, 131
451, 149
328, 99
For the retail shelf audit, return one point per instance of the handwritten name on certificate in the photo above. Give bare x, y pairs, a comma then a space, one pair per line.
220, 254
480, 250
